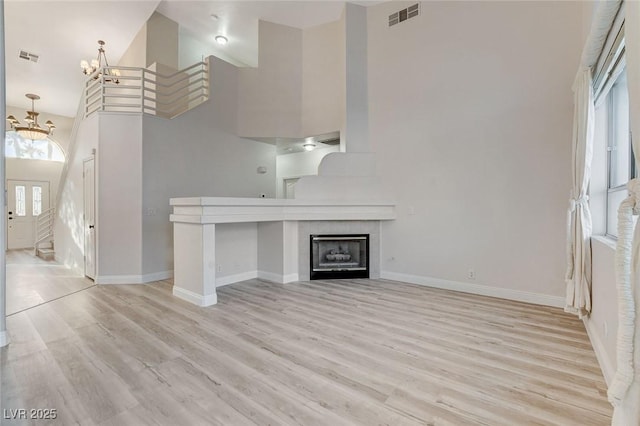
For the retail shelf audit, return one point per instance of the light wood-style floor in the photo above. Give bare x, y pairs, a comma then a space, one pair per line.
32, 281
366, 352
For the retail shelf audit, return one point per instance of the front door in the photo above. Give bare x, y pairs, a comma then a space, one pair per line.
89, 183
25, 201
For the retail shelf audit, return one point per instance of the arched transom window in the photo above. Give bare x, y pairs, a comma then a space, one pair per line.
18, 147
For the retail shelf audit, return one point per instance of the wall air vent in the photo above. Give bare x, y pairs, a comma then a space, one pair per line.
28, 56
404, 14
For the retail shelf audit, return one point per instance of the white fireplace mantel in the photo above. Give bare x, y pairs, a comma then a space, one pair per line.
194, 228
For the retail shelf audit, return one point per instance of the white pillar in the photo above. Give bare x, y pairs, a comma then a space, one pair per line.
194, 258
4, 338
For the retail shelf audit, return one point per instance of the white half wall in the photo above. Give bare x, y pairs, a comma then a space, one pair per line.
470, 116
299, 164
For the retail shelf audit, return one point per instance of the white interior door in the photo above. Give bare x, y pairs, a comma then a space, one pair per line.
25, 201
89, 184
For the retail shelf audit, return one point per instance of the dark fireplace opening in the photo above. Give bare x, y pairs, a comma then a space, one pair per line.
339, 256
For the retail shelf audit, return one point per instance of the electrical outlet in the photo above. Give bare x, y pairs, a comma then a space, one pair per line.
471, 274
219, 268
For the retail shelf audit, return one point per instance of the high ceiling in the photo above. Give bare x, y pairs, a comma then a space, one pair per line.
63, 33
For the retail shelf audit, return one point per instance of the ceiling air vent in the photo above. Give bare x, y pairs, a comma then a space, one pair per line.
404, 14
28, 56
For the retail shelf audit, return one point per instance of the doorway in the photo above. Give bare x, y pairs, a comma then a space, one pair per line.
26, 200
289, 188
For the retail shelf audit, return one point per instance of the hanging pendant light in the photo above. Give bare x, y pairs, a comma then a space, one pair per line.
111, 76
32, 130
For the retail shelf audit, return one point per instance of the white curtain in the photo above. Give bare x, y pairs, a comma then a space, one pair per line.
624, 392
578, 276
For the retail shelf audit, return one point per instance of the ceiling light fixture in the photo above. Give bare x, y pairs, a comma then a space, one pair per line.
96, 65
309, 146
222, 40
32, 130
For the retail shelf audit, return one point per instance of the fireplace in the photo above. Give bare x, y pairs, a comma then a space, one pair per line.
339, 256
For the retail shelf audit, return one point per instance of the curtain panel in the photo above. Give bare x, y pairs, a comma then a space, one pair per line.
578, 276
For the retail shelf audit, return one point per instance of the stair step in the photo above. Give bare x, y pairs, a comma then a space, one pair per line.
46, 253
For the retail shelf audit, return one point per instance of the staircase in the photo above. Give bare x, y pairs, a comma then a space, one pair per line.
43, 243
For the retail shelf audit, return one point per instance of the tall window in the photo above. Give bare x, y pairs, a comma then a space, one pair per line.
612, 124
37, 200
21, 200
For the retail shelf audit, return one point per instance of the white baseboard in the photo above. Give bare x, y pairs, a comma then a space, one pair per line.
277, 278
4, 339
290, 278
230, 279
133, 279
606, 364
502, 293
196, 299
157, 276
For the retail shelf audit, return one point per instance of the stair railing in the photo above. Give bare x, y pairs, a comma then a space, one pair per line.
44, 226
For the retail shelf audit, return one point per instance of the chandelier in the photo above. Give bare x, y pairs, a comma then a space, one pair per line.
32, 129
96, 65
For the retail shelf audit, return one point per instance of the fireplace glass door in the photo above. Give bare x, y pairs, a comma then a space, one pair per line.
339, 256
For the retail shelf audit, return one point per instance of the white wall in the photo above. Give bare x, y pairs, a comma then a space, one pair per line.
298, 88
299, 164
38, 170
192, 50
602, 324
471, 119
236, 252
119, 195
270, 96
162, 41
136, 53
156, 42
198, 154
323, 78
69, 225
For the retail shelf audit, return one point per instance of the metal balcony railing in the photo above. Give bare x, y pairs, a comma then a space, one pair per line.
129, 89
